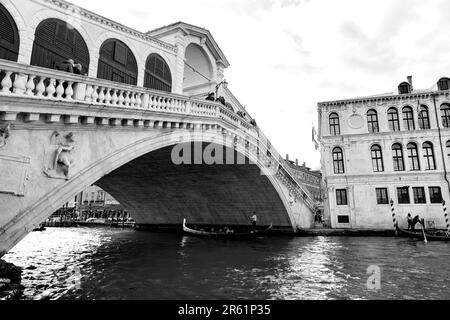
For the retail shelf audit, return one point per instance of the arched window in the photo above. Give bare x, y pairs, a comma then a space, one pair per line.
408, 118
338, 161
335, 129
394, 123
413, 157
424, 118
404, 88
157, 74
9, 36
55, 41
372, 121
428, 154
397, 157
117, 63
445, 114
377, 158
444, 84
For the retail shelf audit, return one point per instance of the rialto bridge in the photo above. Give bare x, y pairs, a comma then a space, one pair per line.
135, 122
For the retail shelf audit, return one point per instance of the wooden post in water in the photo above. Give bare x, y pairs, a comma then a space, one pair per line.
446, 216
394, 220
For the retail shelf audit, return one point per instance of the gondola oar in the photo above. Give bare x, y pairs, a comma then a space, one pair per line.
423, 231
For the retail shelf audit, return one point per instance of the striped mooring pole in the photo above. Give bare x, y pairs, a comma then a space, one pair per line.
446, 215
394, 220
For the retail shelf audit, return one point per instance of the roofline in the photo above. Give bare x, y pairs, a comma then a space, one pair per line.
391, 97
185, 27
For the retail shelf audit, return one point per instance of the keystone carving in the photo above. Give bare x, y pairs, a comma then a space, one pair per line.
61, 162
4, 134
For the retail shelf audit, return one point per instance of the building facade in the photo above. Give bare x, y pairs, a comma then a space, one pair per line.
393, 146
311, 179
94, 197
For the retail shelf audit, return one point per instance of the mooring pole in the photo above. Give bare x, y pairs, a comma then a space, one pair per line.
394, 220
444, 207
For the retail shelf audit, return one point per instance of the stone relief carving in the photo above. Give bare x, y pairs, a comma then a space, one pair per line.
14, 174
4, 134
356, 121
61, 160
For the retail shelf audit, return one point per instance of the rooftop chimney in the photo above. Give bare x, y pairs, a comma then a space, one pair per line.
304, 165
287, 157
410, 81
296, 162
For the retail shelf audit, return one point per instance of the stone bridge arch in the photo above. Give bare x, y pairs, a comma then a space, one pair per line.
271, 201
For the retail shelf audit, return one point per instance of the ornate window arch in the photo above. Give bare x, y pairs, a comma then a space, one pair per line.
372, 121
9, 36
394, 123
445, 114
377, 158
335, 129
157, 73
117, 63
338, 161
428, 154
408, 118
424, 118
397, 157
56, 41
413, 156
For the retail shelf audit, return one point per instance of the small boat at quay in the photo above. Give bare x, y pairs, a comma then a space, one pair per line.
427, 235
226, 235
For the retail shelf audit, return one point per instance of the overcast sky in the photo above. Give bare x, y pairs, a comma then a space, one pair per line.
287, 55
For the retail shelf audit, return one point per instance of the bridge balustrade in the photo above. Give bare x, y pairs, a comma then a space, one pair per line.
41, 83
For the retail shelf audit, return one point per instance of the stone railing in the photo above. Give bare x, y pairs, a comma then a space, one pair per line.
41, 83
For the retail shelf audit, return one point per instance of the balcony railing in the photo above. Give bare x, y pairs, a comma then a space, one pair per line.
47, 84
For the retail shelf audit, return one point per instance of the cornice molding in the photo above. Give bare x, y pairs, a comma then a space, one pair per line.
387, 98
75, 10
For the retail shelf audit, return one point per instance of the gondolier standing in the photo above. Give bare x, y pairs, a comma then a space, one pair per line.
254, 220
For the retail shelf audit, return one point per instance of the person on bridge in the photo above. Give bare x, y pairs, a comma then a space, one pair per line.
254, 220
211, 97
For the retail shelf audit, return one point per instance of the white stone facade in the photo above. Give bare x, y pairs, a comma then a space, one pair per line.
362, 175
95, 29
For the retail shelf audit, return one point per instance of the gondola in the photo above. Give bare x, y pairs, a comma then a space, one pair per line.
418, 234
219, 235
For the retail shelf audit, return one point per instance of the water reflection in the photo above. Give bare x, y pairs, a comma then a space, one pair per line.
86, 263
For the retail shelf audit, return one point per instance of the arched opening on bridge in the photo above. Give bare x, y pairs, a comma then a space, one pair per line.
117, 63
198, 71
157, 74
9, 36
156, 191
56, 41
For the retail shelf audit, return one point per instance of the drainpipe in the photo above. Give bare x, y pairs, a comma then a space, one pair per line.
440, 141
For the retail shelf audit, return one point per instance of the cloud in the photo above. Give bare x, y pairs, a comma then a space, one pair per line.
298, 41
374, 55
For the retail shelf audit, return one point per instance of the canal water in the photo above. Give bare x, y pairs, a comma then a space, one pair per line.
88, 263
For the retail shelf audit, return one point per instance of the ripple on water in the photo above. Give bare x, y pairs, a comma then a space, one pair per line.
122, 264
